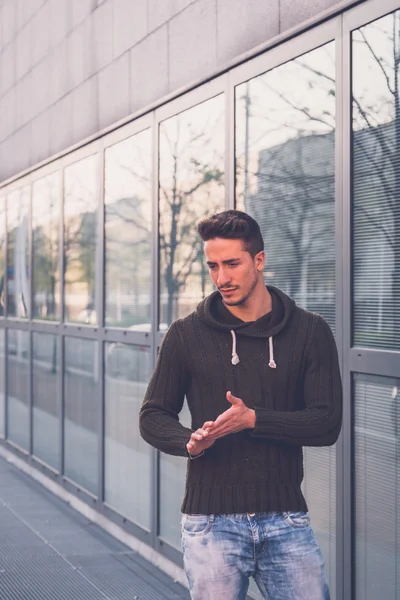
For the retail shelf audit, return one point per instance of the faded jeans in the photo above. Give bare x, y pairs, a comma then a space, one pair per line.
278, 549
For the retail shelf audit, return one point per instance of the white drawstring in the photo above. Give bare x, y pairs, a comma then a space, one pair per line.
271, 363
235, 356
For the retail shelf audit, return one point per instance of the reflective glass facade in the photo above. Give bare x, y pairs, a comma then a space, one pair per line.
99, 254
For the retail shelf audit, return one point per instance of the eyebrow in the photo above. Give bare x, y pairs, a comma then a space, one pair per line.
224, 262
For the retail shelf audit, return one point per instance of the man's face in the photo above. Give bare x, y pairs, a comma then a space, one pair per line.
234, 271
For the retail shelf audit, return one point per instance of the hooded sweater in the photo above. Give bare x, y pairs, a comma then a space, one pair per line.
284, 366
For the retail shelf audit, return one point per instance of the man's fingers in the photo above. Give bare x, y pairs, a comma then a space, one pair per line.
233, 399
208, 424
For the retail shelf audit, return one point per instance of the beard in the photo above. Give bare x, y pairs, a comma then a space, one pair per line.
245, 297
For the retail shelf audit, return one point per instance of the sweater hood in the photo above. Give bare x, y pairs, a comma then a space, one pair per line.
263, 327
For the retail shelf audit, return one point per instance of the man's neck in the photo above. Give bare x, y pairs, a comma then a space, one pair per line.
258, 305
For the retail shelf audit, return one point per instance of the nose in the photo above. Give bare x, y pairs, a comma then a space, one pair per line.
223, 278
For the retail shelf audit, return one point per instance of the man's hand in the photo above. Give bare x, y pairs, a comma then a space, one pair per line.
199, 440
233, 420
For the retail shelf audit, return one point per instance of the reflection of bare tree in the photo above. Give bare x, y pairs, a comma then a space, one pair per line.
45, 216
186, 194
377, 147
294, 198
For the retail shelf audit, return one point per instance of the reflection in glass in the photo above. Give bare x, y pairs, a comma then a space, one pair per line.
377, 489
376, 183
128, 232
2, 382
192, 148
81, 208
18, 370
18, 253
45, 233
81, 406
285, 174
2, 253
45, 398
172, 490
128, 459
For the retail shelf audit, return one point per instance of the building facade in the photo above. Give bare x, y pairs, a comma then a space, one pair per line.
123, 123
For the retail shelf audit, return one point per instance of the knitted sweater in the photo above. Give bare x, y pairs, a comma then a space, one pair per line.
286, 369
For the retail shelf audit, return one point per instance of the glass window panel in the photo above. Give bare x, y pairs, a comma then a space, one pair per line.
172, 490
191, 187
2, 383
377, 486
285, 178
18, 376
128, 459
128, 231
18, 253
46, 243
82, 412
46, 416
2, 253
81, 207
376, 184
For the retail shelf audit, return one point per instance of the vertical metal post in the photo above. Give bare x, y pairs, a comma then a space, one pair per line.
155, 504
230, 165
61, 404
5, 315
100, 303
30, 316
347, 543
339, 321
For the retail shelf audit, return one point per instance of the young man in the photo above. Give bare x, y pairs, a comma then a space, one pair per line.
261, 378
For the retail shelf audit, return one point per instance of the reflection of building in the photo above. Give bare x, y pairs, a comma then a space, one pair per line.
294, 204
89, 203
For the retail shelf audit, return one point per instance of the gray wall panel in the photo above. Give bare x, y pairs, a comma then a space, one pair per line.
60, 125
242, 25
60, 20
101, 43
130, 24
8, 113
40, 137
7, 68
293, 13
114, 91
64, 57
80, 9
85, 109
193, 43
161, 12
149, 69
23, 52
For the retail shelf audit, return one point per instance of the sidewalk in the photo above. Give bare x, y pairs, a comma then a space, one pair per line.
50, 552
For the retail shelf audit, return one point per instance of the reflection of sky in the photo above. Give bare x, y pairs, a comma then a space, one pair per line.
46, 200
81, 180
197, 133
17, 207
291, 100
128, 175
373, 69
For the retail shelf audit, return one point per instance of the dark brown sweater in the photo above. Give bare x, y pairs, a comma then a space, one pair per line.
298, 403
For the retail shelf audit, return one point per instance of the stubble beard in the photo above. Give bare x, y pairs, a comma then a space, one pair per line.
244, 299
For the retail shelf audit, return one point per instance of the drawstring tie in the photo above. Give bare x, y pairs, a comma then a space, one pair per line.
235, 356
271, 363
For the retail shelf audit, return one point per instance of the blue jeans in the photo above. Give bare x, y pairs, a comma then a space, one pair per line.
278, 549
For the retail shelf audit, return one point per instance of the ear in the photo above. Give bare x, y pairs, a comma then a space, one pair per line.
259, 260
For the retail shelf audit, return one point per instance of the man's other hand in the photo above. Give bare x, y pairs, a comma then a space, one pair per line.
199, 440
233, 420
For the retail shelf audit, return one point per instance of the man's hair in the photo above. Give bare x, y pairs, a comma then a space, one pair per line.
233, 225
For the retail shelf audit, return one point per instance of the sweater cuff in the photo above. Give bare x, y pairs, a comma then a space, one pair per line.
197, 455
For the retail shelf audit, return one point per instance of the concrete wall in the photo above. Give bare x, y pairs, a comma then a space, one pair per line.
71, 67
